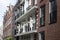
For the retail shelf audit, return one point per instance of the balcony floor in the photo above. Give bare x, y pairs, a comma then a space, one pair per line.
25, 33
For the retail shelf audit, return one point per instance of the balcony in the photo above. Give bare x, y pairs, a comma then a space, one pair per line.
34, 31
27, 30
28, 27
30, 11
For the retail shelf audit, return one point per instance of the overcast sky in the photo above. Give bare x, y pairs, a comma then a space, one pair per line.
3, 8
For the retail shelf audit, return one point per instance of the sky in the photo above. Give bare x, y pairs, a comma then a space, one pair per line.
3, 8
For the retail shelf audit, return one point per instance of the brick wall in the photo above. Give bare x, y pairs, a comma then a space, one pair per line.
52, 31
8, 24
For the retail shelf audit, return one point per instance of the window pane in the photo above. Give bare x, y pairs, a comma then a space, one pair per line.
34, 2
42, 36
53, 13
42, 16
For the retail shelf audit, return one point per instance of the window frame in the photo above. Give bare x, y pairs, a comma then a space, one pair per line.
34, 2
42, 16
53, 11
42, 37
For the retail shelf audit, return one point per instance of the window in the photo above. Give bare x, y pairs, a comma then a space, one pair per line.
29, 2
34, 2
42, 36
22, 9
42, 16
21, 30
15, 32
17, 38
29, 5
29, 29
26, 28
35, 36
53, 11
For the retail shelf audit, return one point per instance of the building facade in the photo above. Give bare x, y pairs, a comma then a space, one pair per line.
1, 32
48, 19
36, 20
7, 24
25, 20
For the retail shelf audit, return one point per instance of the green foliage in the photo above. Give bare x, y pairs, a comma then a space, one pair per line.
9, 38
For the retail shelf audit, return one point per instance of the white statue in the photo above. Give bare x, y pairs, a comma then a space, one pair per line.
31, 23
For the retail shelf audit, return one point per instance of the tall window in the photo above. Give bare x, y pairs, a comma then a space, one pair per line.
29, 2
53, 11
29, 5
42, 16
21, 9
42, 36
34, 2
